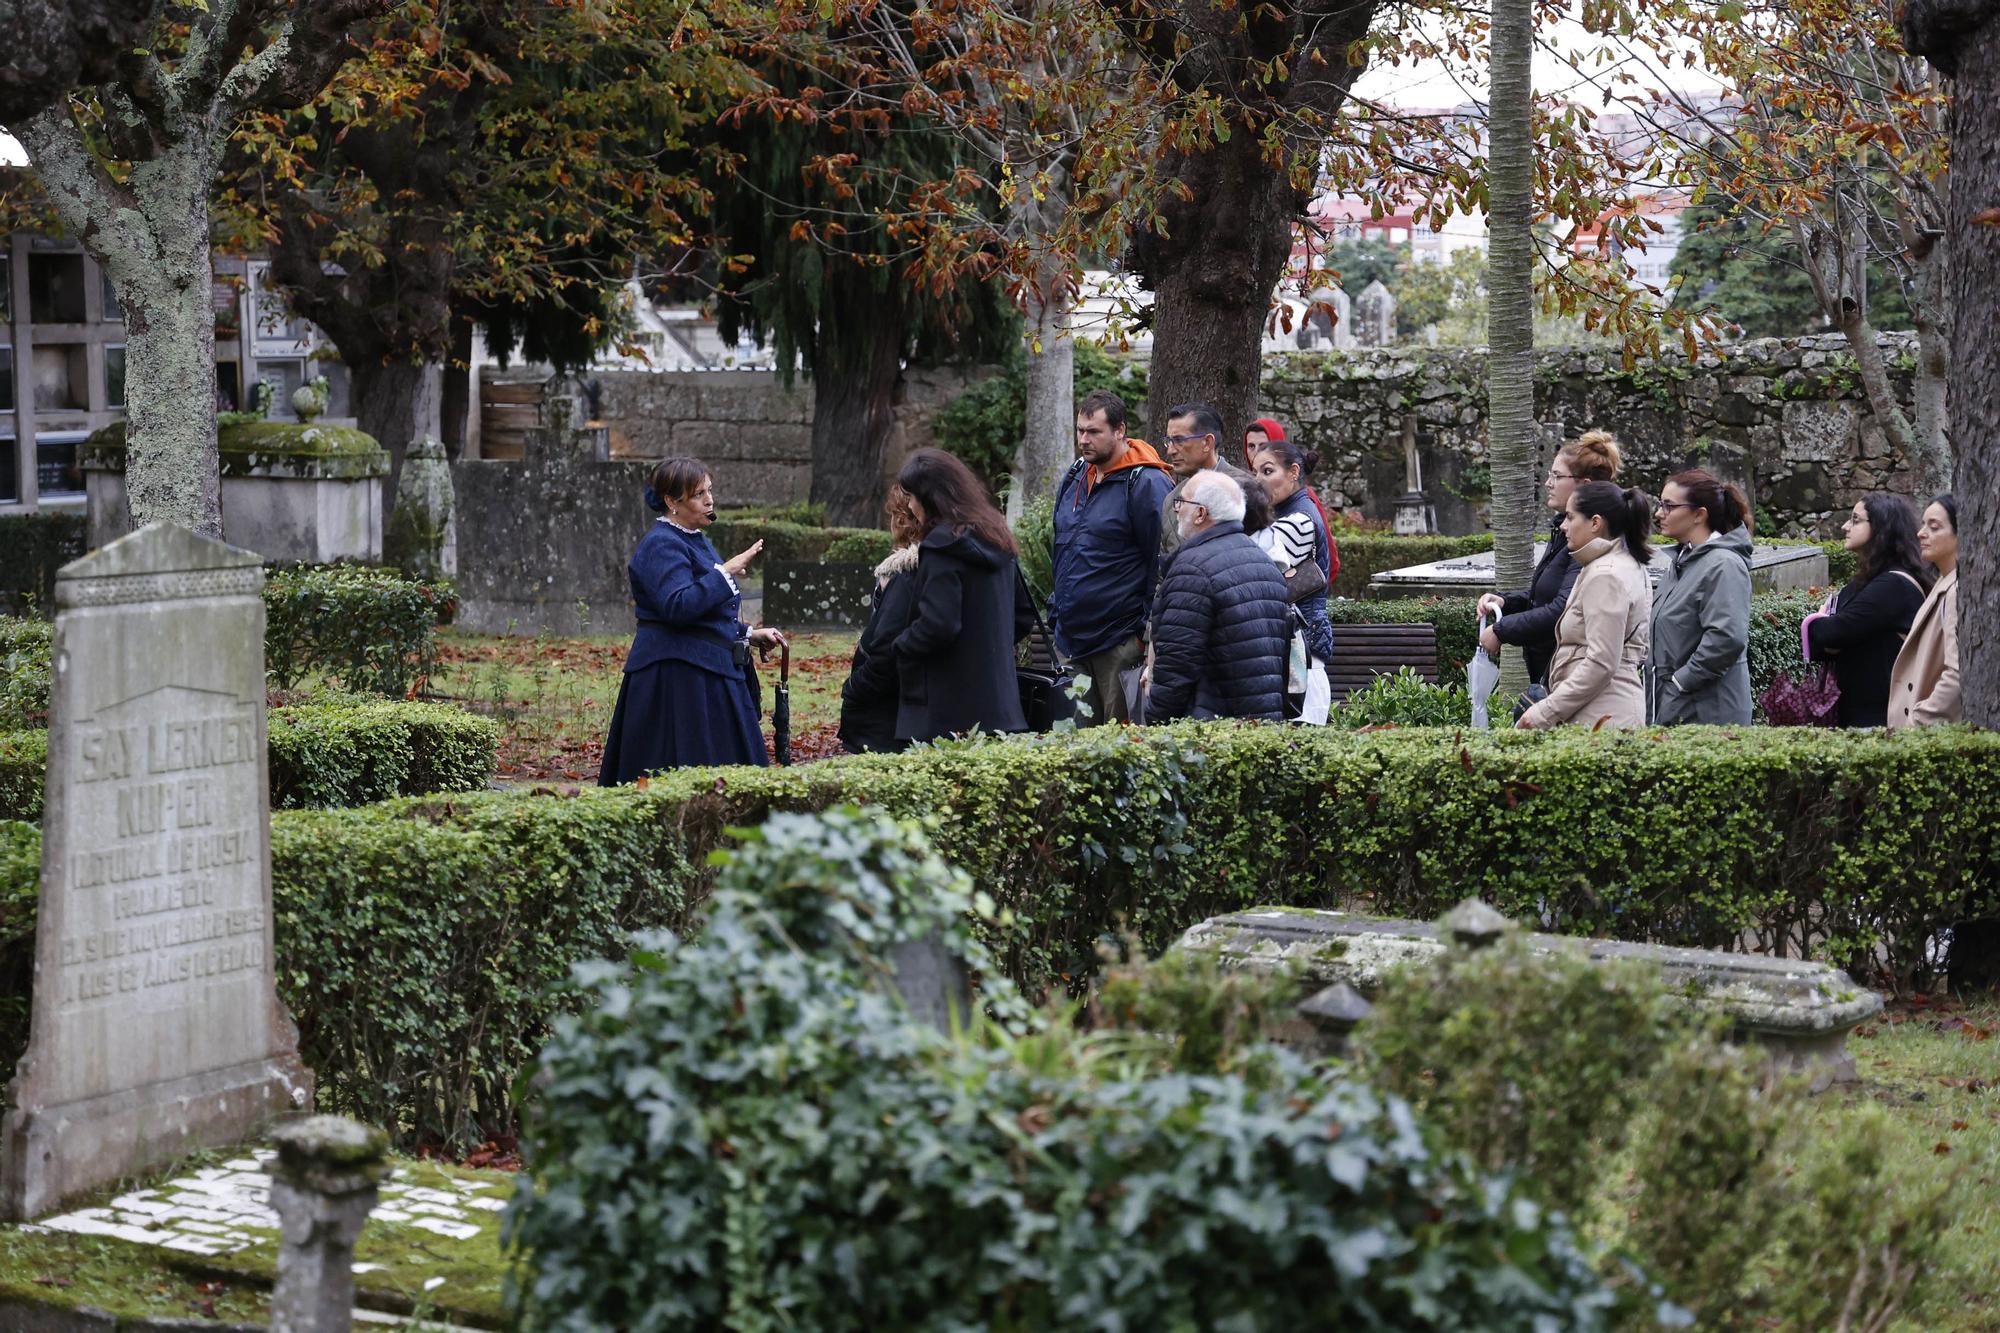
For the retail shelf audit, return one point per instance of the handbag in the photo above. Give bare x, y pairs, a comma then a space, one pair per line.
1303, 580
1811, 699
1043, 678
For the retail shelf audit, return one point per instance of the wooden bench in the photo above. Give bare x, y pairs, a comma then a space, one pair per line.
1363, 652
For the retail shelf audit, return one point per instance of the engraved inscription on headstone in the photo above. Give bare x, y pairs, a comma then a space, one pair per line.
155, 1028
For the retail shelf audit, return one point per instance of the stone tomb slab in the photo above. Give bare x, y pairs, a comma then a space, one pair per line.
155, 1027
1800, 1012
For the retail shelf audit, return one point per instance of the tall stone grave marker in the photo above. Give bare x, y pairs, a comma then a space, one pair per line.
156, 1029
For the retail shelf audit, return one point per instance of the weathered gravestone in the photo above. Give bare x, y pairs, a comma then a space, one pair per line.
155, 1027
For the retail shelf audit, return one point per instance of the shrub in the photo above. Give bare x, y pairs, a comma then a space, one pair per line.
32, 548
357, 752
367, 629
804, 513
861, 546
1035, 535
346, 752
24, 762
25, 650
1364, 554
457, 911
1606, 1099
1404, 700
749, 1131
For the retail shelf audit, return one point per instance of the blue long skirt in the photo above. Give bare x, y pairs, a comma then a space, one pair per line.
674, 715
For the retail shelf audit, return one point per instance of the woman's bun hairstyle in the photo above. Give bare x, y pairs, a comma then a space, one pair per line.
1593, 456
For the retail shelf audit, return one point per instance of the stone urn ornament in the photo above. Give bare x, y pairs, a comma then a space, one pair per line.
309, 399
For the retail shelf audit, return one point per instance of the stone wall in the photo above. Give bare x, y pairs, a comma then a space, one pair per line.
749, 427
1786, 418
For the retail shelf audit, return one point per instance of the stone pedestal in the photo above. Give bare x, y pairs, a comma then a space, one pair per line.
290, 491
323, 1184
156, 1029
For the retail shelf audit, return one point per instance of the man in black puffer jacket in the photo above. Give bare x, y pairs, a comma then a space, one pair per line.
1219, 619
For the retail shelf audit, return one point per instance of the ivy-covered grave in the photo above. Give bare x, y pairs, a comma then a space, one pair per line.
200, 1241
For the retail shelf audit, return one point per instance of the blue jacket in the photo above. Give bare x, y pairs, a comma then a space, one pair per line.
1221, 630
686, 605
1107, 540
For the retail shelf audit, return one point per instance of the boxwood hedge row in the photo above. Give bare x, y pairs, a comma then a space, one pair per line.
424, 943
339, 752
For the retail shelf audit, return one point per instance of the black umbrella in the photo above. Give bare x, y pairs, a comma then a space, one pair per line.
781, 707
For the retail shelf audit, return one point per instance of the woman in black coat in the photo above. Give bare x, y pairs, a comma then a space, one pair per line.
870, 698
955, 661
1528, 619
1861, 629
688, 693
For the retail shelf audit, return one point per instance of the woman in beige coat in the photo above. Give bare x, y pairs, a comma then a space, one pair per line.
1923, 689
1602, 636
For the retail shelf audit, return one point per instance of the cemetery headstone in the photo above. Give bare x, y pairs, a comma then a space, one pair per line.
1375, 315
155, 1027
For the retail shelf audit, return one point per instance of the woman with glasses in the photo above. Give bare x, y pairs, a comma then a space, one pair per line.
1860, 630
1601, 639
1528, 618
1700, 665
688, 697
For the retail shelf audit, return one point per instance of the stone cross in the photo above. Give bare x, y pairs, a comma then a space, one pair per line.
155, 1029
1375, 313
323, 1183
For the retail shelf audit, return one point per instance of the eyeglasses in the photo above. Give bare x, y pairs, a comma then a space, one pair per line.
1181, 501
1562, 476
1190, 439
1669, 506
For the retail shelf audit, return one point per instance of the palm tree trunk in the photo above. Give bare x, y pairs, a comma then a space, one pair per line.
1510, 368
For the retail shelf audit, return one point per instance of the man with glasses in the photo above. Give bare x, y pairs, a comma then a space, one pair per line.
1221, 627
1194, 444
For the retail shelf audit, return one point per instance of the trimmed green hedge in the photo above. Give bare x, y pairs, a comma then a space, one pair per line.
420, 939
367, 628
32, 548
25, 650
1363, 555
338, 752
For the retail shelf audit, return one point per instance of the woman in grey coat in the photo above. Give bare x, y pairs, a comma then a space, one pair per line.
1700, 665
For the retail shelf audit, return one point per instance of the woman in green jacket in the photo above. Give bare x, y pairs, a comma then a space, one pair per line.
1699, 670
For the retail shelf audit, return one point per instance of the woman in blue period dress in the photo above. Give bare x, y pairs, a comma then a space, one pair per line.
687, 698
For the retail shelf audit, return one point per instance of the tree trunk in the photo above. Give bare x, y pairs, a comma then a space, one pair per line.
1049, 440
457, 392
1213, 276
151, 236
1510, 367
1975, 282
55, 45
1929, 385
397, 402
854, 399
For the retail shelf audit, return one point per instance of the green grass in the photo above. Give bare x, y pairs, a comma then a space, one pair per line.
132, 1280
553, 696
1936, 1070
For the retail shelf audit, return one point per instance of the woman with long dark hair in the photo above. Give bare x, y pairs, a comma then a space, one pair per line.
870, 698
1924, 685
1601, 640
1861, 629
1699, 669
687, 697
955, 661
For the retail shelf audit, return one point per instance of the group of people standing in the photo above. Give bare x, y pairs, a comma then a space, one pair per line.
1606, 647
1189, 586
